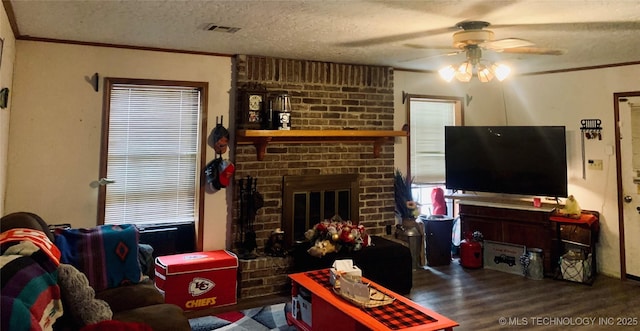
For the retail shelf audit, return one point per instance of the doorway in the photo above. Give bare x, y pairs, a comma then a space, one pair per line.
627, 114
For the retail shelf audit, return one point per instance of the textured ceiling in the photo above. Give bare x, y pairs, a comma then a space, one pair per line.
403, 34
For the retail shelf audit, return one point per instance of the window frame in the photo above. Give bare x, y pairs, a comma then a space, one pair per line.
203, 87
458, 120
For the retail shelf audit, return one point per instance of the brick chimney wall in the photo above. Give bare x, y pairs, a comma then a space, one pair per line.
323, 96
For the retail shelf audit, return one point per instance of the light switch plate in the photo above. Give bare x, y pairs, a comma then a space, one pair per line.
595, 164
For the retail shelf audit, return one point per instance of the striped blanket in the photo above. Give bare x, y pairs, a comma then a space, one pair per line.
28, 270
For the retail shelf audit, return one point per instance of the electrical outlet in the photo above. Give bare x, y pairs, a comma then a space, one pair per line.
595, 164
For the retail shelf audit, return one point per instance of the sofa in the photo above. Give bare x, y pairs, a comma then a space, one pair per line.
135, 306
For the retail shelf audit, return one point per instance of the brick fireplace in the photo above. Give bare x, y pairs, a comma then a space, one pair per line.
324, 96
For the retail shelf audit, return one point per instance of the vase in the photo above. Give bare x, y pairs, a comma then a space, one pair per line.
409, 223
411, 232
535, 269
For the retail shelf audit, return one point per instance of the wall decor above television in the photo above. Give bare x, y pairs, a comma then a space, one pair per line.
521, 160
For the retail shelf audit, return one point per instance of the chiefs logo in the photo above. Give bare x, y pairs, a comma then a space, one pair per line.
199, 286
194, 256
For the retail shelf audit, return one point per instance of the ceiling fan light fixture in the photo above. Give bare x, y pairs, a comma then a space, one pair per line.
501, 71
447, 73
485, 73
464, 71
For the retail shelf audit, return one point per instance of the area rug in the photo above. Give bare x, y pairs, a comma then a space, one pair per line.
254, 319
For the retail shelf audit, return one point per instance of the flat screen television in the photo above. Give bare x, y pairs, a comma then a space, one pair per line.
521, 160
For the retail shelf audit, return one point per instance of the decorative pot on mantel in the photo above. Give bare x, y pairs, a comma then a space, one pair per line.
411, 232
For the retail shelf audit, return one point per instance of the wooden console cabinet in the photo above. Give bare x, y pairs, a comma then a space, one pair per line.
511, 223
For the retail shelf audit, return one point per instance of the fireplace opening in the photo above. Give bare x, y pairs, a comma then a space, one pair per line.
307, 200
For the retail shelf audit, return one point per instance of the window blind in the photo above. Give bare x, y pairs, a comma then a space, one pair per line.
152, 154
427, 121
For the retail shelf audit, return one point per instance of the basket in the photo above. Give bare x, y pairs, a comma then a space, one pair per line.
576, 269
376, 298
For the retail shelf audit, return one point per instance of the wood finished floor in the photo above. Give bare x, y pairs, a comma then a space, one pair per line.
478, 298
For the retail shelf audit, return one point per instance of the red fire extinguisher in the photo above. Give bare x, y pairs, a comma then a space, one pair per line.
470, 252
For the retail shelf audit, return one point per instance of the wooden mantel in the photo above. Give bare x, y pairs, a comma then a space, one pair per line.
261, 138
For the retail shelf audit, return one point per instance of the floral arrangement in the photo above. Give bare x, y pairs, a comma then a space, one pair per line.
406, 207
332, 235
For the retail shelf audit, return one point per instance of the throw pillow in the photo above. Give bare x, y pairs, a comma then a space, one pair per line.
106, 254
79, 297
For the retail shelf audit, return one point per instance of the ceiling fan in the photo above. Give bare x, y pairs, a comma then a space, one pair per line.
473, 34
471, 39
557, 27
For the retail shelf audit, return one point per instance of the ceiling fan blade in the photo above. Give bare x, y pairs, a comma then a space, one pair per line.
432, 56
420, 46
500, 44
557, 27
398, 37
533, 50
573, 26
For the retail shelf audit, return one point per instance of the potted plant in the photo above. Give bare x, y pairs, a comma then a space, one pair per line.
406, 208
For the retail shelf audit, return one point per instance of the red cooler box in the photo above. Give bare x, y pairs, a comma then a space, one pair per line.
198, 280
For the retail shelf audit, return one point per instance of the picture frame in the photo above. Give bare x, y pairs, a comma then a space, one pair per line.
254, 105
251, 105
503, 257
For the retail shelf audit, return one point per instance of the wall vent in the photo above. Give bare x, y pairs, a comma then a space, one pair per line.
220, 28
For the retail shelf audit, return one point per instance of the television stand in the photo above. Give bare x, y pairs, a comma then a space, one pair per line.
515, 223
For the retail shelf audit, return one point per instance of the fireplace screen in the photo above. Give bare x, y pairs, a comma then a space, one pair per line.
309, 199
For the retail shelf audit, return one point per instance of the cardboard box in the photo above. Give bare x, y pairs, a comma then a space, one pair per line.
198, 280
503, 257
575, 269
301, 306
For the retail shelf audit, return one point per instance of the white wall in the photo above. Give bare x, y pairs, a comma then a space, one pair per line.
551, 99
6, 80
54, 146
